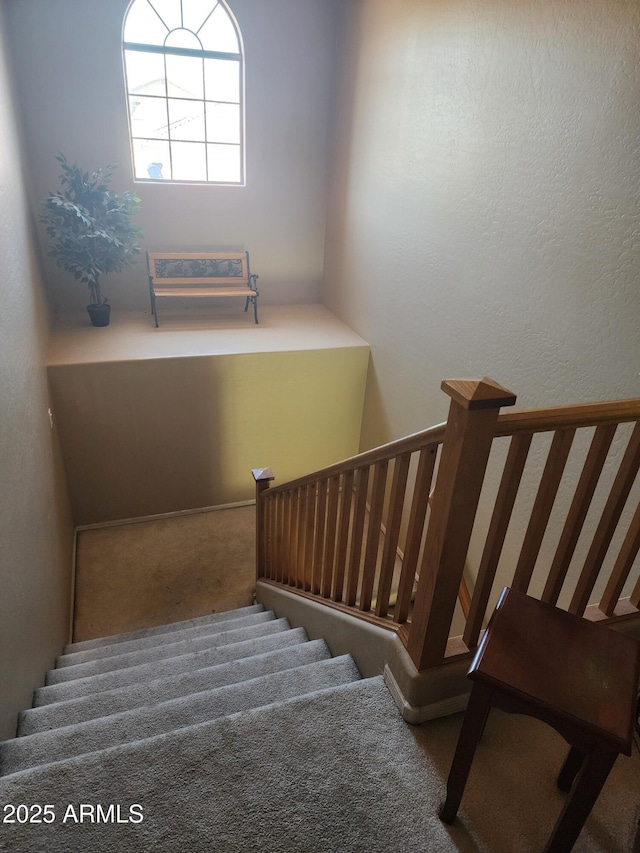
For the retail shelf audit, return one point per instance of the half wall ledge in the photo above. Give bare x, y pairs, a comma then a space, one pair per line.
420, 696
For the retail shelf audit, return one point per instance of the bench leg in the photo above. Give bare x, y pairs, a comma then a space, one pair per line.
253, 299
154, 309
473, 725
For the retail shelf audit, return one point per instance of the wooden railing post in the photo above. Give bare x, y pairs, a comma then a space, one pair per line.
262, 477
465, 451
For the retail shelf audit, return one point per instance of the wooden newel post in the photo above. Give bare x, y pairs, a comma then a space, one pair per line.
262, 477
473, 412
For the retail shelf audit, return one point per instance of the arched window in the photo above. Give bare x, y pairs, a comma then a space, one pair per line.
184, 76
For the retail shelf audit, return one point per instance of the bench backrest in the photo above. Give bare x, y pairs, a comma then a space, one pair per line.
206, 268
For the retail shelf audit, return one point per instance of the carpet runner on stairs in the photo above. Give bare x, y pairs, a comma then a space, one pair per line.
204, 735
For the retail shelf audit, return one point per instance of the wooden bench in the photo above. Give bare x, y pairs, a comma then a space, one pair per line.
201, 275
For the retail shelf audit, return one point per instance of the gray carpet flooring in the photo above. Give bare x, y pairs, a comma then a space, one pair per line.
273, 635
93, 705
237, 631
207, 628
145, 633
294, 753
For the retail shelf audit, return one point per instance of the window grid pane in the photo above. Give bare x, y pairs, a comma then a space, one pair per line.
148, 117
152, 160
185, 112
222, 80
223, 122
169, 11
186, 120
184, 75
143, 25
218, 32
189, 161
145, 73
224, 163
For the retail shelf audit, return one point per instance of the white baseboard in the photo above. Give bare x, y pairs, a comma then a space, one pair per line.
417, 715
177, 514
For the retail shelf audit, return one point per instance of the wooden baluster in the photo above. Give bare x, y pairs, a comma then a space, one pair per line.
608, 522
634, 598
359, 514
302, 535
465, 451
373, 534
292, 533
574, 523
464, 597
503, 508
268, 504
287, 565
622, 567
262, 478
543, 504
318, 550
293, 538
282, 537
330, 538
346, 498
415, 530
394, 519
309, 535
277, 548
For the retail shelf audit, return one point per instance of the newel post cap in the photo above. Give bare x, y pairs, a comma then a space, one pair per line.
478, 393
262, 474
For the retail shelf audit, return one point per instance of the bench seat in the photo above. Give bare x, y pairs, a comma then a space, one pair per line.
203, 291
201, 275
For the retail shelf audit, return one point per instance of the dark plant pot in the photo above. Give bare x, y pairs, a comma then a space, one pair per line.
99, 314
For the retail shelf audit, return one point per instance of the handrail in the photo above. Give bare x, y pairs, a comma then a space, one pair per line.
335, 535
567, 417
407, 444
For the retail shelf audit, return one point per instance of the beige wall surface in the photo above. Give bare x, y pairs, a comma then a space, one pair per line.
484, 209
35, 524
484, 218
165, 435
68, 63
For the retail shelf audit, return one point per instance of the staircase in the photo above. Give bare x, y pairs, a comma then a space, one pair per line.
229, 732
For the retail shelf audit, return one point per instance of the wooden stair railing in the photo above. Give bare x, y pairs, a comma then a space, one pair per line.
356, 535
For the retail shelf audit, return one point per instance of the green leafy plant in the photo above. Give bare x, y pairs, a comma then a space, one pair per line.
90, 226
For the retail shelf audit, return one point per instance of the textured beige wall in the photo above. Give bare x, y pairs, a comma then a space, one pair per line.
183, 433
68, 64
35, 525
484, 212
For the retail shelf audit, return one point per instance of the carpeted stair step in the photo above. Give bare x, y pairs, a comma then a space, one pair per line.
280, 636
303, 775
162, 629
157, 640
259, 625
128, 726
47, 717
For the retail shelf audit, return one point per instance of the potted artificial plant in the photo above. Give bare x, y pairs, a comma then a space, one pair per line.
91, 229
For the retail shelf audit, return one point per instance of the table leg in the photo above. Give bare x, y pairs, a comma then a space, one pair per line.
572, 764
472, 728
587, 786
